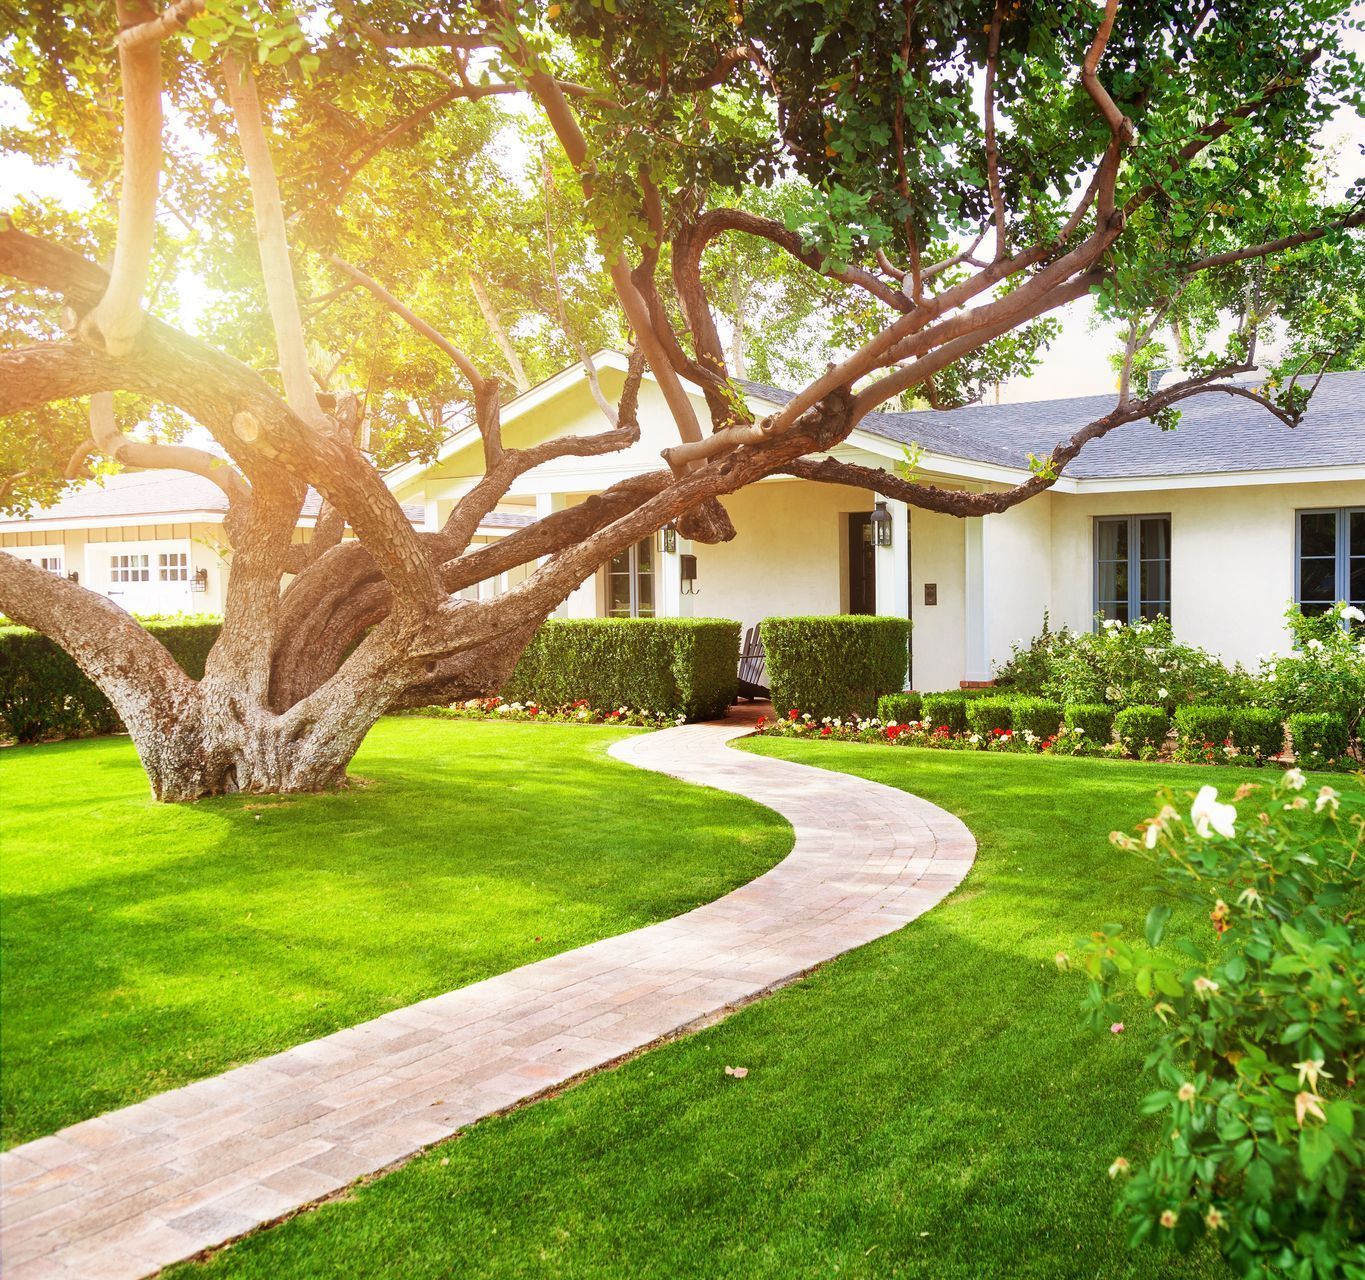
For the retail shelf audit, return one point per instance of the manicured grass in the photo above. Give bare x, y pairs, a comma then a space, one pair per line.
148, 945
931, 1105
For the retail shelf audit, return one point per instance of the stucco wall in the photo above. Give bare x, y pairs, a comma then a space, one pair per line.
939, 635
1232, 558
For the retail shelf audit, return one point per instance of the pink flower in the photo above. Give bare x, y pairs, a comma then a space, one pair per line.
1116, 1028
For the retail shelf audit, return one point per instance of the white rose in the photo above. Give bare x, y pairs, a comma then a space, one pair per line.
1209, 815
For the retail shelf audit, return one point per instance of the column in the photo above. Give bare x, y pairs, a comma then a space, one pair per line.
975, 596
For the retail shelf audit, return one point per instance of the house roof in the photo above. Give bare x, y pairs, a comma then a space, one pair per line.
1217, 433
159, 496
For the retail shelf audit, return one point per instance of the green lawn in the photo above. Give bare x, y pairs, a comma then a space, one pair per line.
148, 945
930, 1105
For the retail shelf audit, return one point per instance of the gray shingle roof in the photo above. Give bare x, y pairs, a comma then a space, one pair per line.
1217, 433
160, 495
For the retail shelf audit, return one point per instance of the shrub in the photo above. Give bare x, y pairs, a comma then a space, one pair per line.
898, 708
1142, 729
1260, 1027
1320, 739
834, 666
687, 666
1094, 719
1038, 716
1202, 722
1326, 672
44, 694
1257, 731
986, 715
945, 710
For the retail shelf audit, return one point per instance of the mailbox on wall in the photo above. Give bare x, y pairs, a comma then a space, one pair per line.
687, 564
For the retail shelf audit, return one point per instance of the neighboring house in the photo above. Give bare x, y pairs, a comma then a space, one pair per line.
152, 541
1218, 524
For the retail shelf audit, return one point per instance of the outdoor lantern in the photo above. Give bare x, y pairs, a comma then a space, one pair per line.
200, 581
73, 576
881, 524
670, 537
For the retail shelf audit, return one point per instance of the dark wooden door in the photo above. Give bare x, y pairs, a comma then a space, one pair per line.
862, 564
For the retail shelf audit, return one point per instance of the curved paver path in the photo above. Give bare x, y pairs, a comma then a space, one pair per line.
132, 1191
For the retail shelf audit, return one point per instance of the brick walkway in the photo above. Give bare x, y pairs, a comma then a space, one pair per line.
132, 1191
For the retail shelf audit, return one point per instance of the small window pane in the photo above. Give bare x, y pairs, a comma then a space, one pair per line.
1357, 533
1318, 533
1318, 581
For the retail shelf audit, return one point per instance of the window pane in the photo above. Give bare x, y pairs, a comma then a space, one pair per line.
1113, 540
1317, 581
1318, 533
1357, 583
644, 555
618, 595
1357, 533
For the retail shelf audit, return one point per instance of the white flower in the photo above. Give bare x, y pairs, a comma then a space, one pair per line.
1351, 614
1205, 987
1309, 1070
1153, 831
1111, 623
1162, 695
1294, 779
1315, 644
1327, 799
1208, 815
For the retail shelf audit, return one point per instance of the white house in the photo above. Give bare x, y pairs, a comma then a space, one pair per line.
1218, 524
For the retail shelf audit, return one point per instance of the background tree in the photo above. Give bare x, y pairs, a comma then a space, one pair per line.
372, 193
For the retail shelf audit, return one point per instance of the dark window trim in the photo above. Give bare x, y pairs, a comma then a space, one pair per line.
1134, 557
1341, 589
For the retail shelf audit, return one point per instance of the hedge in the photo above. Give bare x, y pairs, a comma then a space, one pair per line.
1319, 738
987, 715
834, 666
686, 666
1141, 727
1094, 719
44, 694
1039, 716
899, 708
1203, 722
1258, 731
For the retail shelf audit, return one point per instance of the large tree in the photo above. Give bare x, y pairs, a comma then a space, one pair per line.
949, 174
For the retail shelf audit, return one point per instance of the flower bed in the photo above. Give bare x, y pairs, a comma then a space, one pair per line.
578, 712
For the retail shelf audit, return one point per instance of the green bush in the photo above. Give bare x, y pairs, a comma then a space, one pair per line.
44, 694
986, 715
898, 708
1094, 719
945, 710
1319, 738
1326, 671
1203, 722
1142, 730
1258, 1034
687, 666
1038, 716
834, 666
1257, 731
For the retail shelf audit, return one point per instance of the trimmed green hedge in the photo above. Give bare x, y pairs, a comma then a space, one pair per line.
1320, 739
44, 694
1203, 722
1142, 728
1094, 719
986, 715
834, 666
1039, 716
688, 666
899, 708
1258, 731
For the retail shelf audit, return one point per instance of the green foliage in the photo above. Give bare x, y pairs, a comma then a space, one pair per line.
683, 666
1326, 671
1320, 739
1257, 732
44, 694
1202, 722
1262, 1030
1142, 729
946, 710
834, 666
1120, 665
899, 708
1038, 716
986, 715
1094, 719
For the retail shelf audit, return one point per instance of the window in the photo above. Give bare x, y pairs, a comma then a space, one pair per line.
1331, 559
173, 566
1133, 567
53, 564
130, 568
630, 582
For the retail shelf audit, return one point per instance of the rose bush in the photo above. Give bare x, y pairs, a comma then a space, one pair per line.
1262, 1028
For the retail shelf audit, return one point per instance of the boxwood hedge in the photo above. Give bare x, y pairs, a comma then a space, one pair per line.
44, 694
834, 666
687, 666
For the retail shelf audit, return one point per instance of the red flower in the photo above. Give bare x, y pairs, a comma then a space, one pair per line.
793, 713
826, 731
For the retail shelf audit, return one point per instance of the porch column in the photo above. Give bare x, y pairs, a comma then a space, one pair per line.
582, 601
976, 601
893, 566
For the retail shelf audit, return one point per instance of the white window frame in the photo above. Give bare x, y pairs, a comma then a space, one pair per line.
179, 571
121, 573
633, 574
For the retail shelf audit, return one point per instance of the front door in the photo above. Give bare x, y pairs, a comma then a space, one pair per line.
862, 564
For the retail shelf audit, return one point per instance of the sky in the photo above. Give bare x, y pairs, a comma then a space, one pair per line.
1076, 363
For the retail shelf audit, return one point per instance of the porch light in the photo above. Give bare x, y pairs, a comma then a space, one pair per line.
668, 536
200, 581
73, 576
881, 524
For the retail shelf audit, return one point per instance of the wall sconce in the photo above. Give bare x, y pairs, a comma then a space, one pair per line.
669, 538
881, 524
73, 576
687, 563
200, 581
